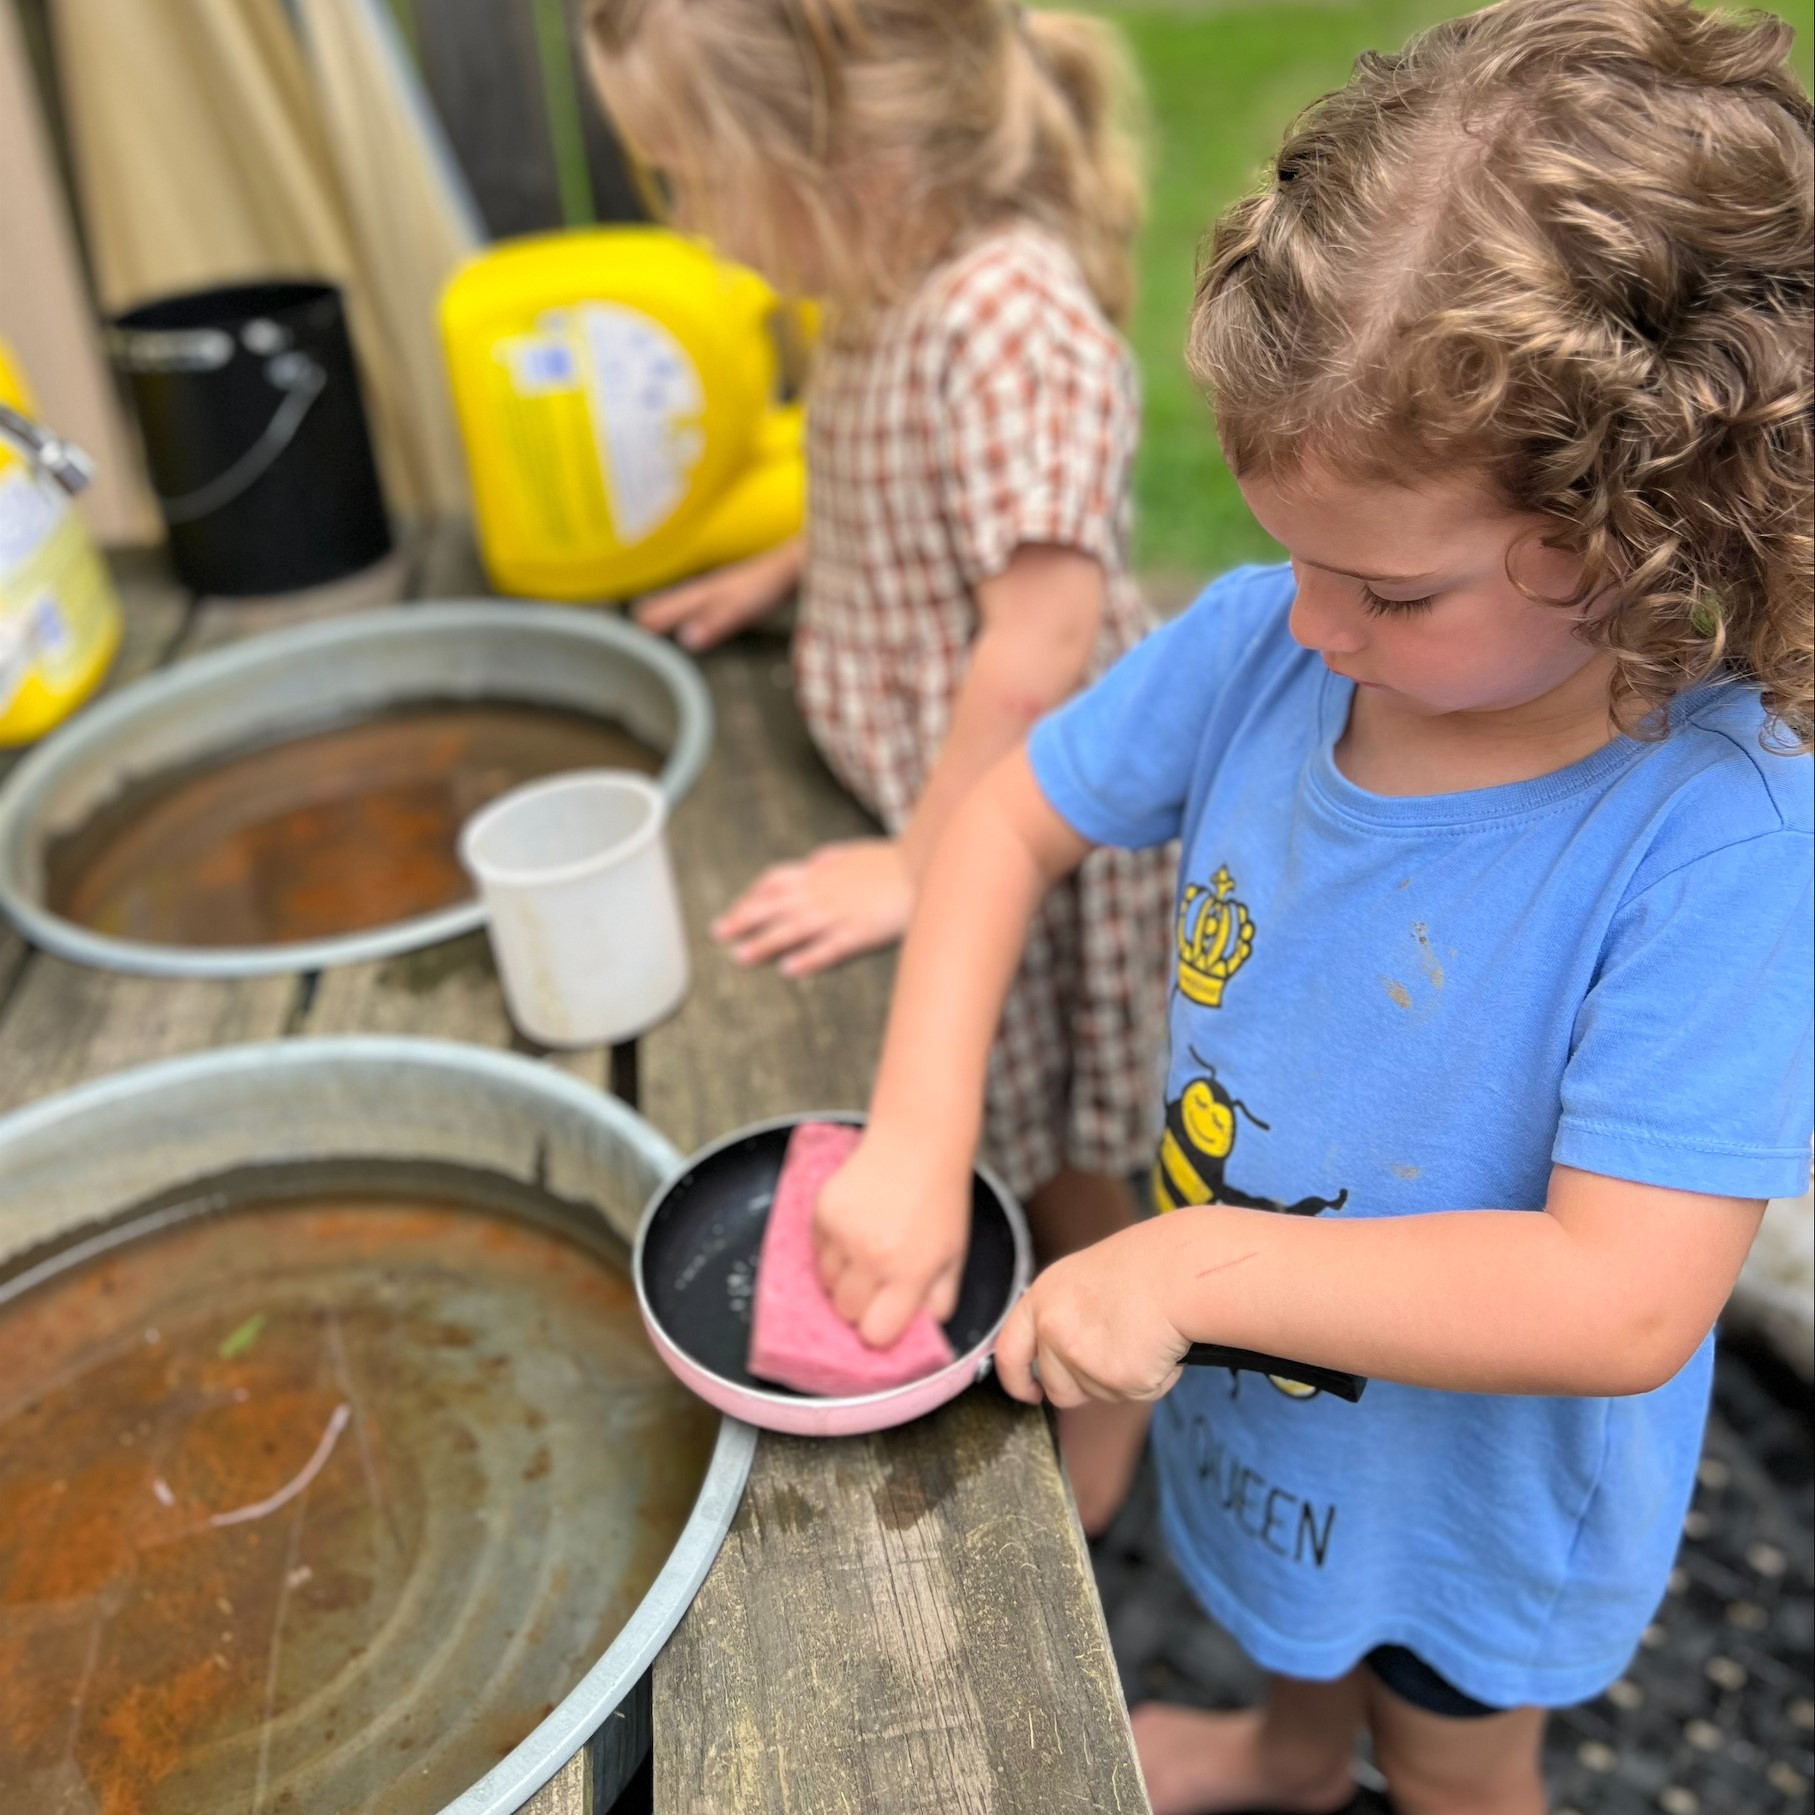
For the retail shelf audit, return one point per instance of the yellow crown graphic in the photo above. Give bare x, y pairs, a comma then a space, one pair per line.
1215, 937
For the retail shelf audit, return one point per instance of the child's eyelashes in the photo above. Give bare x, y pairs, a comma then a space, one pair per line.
1387, 608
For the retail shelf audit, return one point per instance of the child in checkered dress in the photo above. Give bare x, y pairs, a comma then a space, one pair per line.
951, 177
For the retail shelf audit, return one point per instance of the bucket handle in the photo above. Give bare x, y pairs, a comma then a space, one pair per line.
48, 454
303, 380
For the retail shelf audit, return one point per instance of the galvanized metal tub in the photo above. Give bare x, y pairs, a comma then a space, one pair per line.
293, 682
70, 1165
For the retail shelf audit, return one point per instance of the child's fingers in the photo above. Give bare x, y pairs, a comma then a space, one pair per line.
833, 1261
783, 934
889, 1313
1064, 1388
731, 611
780, 882
1015, 1355
756, 902
662, 612
852, 1291
822, 952
714, 620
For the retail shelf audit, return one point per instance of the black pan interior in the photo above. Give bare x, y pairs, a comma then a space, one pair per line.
699, 1257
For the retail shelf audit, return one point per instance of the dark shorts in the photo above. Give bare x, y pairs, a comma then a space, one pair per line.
1410, 1678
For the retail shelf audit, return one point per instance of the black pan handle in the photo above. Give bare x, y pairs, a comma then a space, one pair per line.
1328, 1380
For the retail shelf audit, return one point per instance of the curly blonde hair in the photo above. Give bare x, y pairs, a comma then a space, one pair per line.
844, 147
1568, 242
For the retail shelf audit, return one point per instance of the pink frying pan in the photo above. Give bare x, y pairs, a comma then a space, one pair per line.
695, 1271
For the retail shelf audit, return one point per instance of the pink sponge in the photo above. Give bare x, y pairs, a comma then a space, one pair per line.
797, 1338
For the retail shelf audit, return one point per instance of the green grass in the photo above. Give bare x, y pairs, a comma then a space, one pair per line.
1223, 80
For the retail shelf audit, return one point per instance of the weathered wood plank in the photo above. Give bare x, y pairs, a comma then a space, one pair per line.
568, 1792
749, 1044
903, 1622
64, 1023
907, 1622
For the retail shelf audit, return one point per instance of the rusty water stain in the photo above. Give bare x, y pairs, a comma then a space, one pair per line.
1397, 991
346, 1565
1433, 967
335, 832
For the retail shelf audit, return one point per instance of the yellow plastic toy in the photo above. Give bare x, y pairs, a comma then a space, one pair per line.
59, 616
619, 395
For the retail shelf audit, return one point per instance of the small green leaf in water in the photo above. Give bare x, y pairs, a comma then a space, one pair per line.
243, 1338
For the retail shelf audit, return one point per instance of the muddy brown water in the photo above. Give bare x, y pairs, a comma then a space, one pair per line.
336, 832
322, 1498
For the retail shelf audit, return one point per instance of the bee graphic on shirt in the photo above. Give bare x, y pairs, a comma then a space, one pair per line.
1192, 1167
1215, 934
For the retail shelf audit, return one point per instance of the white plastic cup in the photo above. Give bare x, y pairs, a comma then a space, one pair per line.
580, 900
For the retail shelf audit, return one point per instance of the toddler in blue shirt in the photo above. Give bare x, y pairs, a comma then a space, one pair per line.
1490, 1026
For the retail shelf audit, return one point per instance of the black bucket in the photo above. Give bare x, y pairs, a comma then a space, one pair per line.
255, 436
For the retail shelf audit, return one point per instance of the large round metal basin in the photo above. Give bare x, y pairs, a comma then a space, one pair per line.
335, 1469
324, 768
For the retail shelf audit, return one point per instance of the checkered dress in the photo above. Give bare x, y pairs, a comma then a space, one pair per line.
992, 408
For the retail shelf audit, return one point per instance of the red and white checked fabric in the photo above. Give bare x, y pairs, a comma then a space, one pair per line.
994, 407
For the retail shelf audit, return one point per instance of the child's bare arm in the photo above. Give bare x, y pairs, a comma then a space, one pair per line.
1605, 1291
892, 1226
1040, 618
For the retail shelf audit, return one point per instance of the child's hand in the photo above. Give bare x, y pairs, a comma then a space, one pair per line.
699, 613
843, 900
1094, 1324
891, 1228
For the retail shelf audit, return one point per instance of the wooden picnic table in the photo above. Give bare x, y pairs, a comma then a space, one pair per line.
904, 1623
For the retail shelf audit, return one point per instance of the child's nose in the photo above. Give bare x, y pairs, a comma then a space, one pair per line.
1326, 616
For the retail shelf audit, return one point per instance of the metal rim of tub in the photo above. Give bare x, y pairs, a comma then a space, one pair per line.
36, 1131
167, 700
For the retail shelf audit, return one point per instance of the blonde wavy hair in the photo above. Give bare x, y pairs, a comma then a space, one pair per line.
844, 147
1568, 242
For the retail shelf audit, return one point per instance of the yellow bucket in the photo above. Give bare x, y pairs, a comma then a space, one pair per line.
59, 617
618, 392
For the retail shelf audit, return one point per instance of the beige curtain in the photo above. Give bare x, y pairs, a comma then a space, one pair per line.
411, 218
44, 308
212, 145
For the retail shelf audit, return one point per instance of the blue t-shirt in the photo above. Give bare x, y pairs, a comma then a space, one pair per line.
1386, 1006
